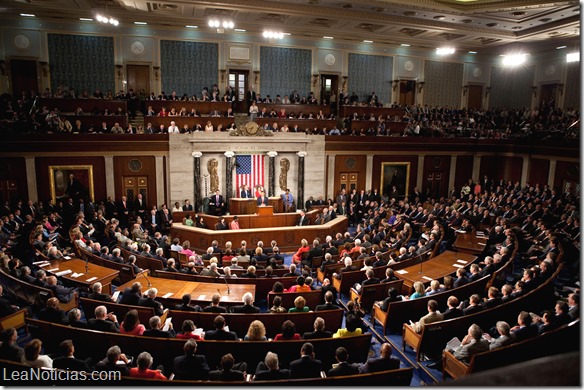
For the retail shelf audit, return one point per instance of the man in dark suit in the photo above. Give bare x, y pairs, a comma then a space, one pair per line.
269, 369
64, 294
328, 305
190, 366
525, 328
104, 321
247, 306
307, 366
461, 278
214, 307
97, 295
382, 363
131, 295
453, 311
116, 256
9, 350
262, 200
186, 304
303, 220
343, 368
187, 206
67, 361
319, 332
217, 203
227, 373
219, 333
150, 301
140, 206
245, 193
156, 326
52, 313
123, 209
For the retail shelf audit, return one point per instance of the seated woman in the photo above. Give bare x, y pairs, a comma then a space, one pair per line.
209, 127
351, 329
188, 220
299, 306
434, 288
297, 257
188, 331
131, 324
288, 332
256, 332
393, 296
278, 287
277, 305
419, 290
32, 355
187, 248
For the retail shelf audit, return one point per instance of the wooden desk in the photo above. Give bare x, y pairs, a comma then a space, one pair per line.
303, 124
240, 206
393, 127
469, 243
201, 293
87, 105
102, 274
296, 108
204, 108
96, 120
435, 268
366, 110
191, 121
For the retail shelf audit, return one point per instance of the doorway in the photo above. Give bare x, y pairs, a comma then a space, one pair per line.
549, 92
238, 80
138, 77
407, 92
348, 181
435, 183
475, 97
134, 185
24, 76
328, 84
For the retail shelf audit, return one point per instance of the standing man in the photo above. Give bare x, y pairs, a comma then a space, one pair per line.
245, 192
262, 200
140, 206
123, 212
218, 202
187, 206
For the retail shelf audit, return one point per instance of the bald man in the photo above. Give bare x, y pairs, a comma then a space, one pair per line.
382, 363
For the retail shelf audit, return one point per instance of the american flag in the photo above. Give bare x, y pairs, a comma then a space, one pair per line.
250, 171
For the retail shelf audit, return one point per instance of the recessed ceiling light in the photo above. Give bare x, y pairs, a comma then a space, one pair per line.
444, 51
86, 19
573, 57
367, 41
405, 44
561, 47
287, 33
239, 30
191, 26
141, 23
472, 52
325, 37
28, 15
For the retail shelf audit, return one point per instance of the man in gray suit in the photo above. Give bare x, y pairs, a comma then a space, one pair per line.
472, 343
432, 316
504, 338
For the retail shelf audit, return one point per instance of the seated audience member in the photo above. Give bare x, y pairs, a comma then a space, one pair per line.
74, 317
104, 321
389, 276
292, 270
471, 344
211, 270
288, 332
319, 332
247, 306
170, 266
351, 329
188, 331
474, 305
250, 273
150, 301
562, 317
277, 305
256, 332
189, 269
97, 295
269, 369
186, 304
328, 303
227, 373
504, 338
432, 316
67, 360
52, 313
115, 361
298, 256
434, 288
461, 279
214, 306
299, 306
190, 366
219, 333
453, 311
144, 362
32, 355
493, 298
382, 363
300, 285
64, 294
131, 324
574, 306
131, 295
524, 329
327, 286
9, 350
371, 279
418, 290
307, 366
156, 326
343, 368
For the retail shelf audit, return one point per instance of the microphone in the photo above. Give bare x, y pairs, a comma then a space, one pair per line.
225, 280
148, 280
86, 264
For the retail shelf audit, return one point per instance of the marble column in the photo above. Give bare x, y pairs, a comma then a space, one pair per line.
272, 173
228, 174
31, 178
419, 176
369, 171
476, 168
300, 197
110, 184
525, 170
452, 173
197, 199
552, 173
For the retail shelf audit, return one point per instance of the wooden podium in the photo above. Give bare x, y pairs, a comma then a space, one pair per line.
265, 211
243, 206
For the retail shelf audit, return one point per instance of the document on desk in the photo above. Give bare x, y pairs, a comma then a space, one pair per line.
76, 275
482, 243
53, 269
427, 278
461, 261
201, 297
402, 272
458, 265
116, 295
167, 295
91, 279
67, 257
63, 273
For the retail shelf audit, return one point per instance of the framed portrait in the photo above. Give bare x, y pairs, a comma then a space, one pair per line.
395, 174
71, 181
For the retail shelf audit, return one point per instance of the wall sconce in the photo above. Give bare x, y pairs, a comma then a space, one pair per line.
222, 74
487, 91
345, 78
534, 90
119, 68
421, 86
2, 67
561, 89
464, 90
257, 75
395, 84
44, 68
314, 80
156, 69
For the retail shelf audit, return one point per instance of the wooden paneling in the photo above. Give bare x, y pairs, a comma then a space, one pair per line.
42, 174
13, 174
87, 105
296, 108
24, 76
360, 110
204, 108
345, 163
148, 170
463, 171
538, 171
436, 170
377, 160
501, 167
566, 171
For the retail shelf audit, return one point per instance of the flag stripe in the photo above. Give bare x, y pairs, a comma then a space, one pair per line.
250, 171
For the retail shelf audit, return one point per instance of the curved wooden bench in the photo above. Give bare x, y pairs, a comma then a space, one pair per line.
126, 273
143, 262
313, 298
374, 292
15, 320
144, 313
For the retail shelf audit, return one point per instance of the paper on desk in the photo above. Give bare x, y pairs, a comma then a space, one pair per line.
461, 261
44, 264
167, 324
481, 243
167, 295
224, 297
427, 278
67, 257
201, 297
91, 279
76, 275
457, 265
116, 295
41, 262
63, 273
53, 269
402, 272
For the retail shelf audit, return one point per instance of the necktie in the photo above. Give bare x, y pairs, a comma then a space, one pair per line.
217, 200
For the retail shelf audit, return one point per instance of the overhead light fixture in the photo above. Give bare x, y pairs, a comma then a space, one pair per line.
141, 23
191, 26
221, 26
367, 41
561, 47
514, 59
273, 35
573, 57
443, 51
106, 20
239, 30
327, 37
472, 52
28, 15
405, 45
86, 19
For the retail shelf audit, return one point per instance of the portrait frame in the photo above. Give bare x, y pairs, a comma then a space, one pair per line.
58, 178
403, 180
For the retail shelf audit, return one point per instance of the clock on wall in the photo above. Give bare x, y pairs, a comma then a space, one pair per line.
21, 41
330, 59
137, 48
